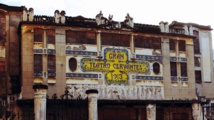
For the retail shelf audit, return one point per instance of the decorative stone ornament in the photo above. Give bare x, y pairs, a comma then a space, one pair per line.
164, 27
151, 112
196, 111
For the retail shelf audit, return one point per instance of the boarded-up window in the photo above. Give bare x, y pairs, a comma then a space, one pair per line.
198, 76
37, 63
115, 39
182, 45
173, 68
80, 37
183, 69
172, 44
38, 35
50, 36
196, 42
147, 42
51, 63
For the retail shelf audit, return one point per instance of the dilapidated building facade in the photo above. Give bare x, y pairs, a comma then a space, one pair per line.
138, 71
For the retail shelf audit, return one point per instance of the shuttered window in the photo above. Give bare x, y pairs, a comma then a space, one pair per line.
80, 37
115, 39
51, 63
182, 45
198, 76
183, 69
50, 36
172, 44
196, 42
147, 42
38, 35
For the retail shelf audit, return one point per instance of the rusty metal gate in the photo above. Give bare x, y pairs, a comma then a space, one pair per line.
62, 108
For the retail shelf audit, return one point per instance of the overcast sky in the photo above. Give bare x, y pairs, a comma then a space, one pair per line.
143, 11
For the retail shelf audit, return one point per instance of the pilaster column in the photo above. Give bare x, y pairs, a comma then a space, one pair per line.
151, 111
196, 111
92, 104
40, 100
166, 63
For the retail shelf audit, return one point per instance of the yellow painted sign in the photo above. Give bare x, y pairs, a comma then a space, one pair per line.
115, 64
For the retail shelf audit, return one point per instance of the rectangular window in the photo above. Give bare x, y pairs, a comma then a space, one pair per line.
80, 37
198, 76
183, 69
50, 36
51, 63
172, 44
38, 35
173, 68
37, 63
115, 39
196, 42
197, 61
182, 45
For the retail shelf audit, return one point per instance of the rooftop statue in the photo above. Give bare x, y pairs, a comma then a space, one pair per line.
129, 20
31, 14
100, 20
57, 16
63, 16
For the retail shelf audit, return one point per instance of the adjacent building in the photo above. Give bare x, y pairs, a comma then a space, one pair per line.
140, 71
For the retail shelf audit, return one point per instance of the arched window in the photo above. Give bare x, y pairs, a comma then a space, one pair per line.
72, 64
156, 68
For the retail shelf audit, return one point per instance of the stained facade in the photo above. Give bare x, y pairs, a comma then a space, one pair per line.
149, 72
